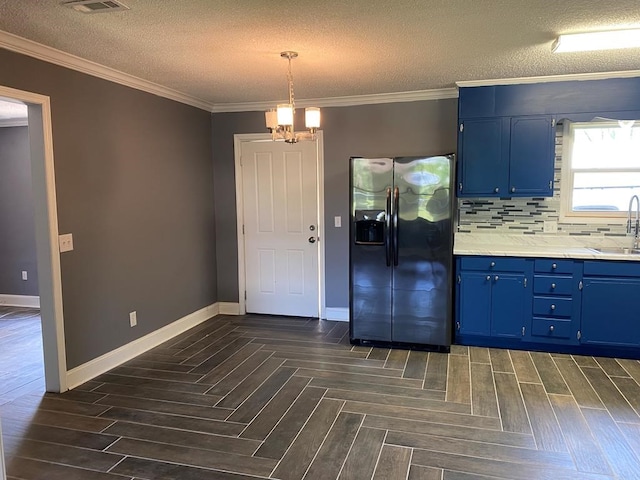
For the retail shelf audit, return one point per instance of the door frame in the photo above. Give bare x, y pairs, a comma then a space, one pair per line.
46, 223
238, 141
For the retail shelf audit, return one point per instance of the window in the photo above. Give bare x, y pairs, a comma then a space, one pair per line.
600, 170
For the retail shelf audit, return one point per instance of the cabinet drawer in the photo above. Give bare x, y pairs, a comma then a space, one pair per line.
545, 265
614, 269
552, 306
491, 264
552, 285
551, 328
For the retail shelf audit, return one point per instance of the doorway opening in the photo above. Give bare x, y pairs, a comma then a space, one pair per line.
46, 233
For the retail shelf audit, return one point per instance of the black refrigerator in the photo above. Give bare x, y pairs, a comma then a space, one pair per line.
401, 251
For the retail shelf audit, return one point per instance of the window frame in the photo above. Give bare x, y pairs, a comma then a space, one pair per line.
567, 180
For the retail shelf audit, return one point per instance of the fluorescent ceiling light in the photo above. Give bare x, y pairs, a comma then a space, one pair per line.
580, 42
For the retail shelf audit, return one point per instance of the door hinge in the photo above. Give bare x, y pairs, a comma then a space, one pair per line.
525, 282
523, 331
550, 184
579, 335
460, 186
457, 325
243, 229
580, 285
553, 122
461, 127
459, 279
245, 295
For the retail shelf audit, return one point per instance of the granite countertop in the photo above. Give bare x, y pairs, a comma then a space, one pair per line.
549, 246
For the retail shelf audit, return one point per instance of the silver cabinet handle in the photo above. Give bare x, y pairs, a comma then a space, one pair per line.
488, 277
513, 189
496, 190
496, 278
553, 286
554, 266
553, 307
551, 328
492, 264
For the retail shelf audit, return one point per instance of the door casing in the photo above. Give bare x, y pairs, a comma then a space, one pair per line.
238, 140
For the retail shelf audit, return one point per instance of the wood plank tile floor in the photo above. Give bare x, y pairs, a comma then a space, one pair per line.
271, 397
21, 362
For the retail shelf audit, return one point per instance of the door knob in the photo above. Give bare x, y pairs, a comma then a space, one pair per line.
312, 239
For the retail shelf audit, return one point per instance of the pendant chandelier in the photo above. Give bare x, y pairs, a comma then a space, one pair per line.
280, 120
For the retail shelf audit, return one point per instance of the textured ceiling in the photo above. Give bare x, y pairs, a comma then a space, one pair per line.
227, 51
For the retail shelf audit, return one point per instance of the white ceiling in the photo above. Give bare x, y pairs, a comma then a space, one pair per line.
227, 51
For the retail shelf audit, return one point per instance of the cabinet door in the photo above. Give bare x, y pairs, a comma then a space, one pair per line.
531, 156
507, 305
474, 303
483, 158
610, 311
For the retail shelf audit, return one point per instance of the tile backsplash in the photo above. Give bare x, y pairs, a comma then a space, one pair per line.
526, 216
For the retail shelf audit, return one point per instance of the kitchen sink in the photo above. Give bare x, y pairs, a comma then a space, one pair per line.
618, 250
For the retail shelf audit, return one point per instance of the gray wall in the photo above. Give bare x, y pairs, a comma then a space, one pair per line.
134, 186
392, 129
17, 227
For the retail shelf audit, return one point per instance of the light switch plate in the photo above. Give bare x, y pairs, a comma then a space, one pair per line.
66, 242
337, 221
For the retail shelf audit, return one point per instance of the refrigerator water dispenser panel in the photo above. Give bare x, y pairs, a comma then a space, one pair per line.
369, 232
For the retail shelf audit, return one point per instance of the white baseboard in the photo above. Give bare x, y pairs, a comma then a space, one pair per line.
20, 301
106, 362
337, 314
229, 308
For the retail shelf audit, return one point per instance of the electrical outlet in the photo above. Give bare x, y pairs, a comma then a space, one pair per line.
550, 226
66, 242
25, 276
133, 319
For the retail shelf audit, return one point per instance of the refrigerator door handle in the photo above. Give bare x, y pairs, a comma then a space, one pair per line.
396, 207
387, 217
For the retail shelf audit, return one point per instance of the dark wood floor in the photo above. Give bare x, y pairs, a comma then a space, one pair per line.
247, 397
21, 362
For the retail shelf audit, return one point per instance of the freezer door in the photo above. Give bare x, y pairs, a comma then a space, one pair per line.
421, 283
370, 249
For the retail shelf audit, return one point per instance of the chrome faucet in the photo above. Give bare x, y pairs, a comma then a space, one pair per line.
636, 233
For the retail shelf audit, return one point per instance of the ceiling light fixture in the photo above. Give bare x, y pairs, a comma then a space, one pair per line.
609, 40
280, 120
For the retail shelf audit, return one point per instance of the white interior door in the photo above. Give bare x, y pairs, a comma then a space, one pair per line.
280, 202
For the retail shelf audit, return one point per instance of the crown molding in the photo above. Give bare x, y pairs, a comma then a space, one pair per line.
550, 78
373, 99
33, 49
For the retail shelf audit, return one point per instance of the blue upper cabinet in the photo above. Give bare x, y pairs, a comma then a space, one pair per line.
506, 133
506, 156
485, 165
531, 156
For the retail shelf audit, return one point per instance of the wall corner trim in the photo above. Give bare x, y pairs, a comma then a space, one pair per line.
106, 362
337, 314
39, 51
20, 301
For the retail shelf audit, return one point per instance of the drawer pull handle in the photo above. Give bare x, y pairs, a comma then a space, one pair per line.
488, 277
496, 190
496, 278
554, 266
553, 307
551, 328
553, 286
492, 264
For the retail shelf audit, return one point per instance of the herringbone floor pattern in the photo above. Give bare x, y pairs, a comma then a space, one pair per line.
270, 397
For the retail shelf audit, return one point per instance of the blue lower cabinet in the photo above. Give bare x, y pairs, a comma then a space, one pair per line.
610, 312
491, 298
